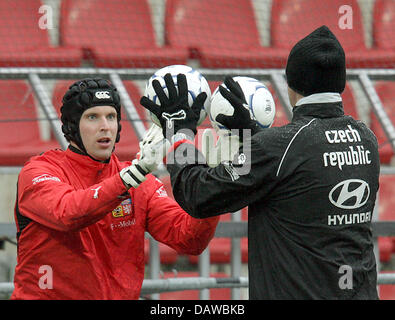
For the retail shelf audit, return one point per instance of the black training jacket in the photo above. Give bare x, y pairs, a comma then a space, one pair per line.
311, 188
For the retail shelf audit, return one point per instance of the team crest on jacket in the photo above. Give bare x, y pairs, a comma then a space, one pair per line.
123, 210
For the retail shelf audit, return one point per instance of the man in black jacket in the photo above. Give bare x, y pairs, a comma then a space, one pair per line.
311, 184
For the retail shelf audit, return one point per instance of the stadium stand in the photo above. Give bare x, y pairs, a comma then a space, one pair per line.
387, 292
349, 103
286, 28
386, 93
384, 24
220, 248
121, 34
281, 118
168, 256
228, 40
232, 39
24, 44
115, 34
386, 213
19, 128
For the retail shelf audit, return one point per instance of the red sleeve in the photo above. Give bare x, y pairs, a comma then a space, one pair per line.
46, 198
169, 224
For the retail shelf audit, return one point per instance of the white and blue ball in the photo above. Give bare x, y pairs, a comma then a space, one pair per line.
259, 100
197, 83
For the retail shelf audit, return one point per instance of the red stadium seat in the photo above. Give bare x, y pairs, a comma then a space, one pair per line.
128, 146
384, 24
232, 38
349, 104
386, 197
225, 40
167, 254
19, 130
116, 34
220, 248
214, 84
281, 118
220, 251
287, 29
386, 92
386, 248
348, 98
387, 291
206, 124
24, 44
215, 294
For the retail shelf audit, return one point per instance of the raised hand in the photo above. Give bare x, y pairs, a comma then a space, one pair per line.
153, 148
174, 113
241, 118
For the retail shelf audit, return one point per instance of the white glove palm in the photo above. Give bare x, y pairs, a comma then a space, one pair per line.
225, 148
153, 148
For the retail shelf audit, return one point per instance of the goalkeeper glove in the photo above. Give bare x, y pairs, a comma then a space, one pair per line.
153, 148
241, 118
174, 112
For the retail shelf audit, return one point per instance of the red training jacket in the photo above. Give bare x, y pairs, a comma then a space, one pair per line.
81, 234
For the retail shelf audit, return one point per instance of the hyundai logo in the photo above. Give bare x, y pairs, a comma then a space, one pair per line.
350, 194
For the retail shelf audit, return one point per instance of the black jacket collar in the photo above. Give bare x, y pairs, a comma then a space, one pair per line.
318, 110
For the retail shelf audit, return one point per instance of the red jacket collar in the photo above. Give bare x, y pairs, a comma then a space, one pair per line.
82, 160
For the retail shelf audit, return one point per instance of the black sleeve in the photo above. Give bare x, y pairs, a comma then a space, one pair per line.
204, 192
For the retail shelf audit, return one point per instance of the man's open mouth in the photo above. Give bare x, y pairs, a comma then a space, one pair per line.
104, 141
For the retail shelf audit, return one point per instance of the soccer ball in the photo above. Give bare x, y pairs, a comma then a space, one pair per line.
258, 97
196, 84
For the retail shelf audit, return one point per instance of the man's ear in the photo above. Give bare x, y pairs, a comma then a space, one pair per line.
293, 96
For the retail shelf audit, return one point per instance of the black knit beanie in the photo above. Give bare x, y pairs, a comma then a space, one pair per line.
82, 95
317, 64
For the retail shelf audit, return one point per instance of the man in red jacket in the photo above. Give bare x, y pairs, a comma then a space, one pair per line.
81, 214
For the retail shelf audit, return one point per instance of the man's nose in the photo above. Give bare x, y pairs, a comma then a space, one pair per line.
104, 124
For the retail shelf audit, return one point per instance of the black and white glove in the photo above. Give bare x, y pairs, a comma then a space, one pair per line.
241, 118
174, 113
153, 148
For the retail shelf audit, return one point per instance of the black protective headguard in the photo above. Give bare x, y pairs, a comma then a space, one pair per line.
82, 95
